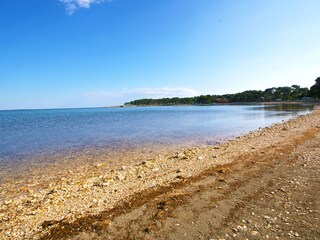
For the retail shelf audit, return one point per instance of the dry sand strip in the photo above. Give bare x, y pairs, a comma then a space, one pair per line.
262, 185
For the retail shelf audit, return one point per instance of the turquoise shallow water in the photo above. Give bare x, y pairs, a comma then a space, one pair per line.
31, 132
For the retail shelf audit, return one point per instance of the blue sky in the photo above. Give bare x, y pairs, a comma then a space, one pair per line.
83, 53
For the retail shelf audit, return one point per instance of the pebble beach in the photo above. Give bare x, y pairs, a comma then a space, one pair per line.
34, 208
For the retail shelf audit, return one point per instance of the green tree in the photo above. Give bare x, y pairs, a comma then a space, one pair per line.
205, 99
297, 92
315, 89
268, 94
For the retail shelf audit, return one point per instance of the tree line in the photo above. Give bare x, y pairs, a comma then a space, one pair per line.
293, 93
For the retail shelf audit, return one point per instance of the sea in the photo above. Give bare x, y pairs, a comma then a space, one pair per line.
26, 134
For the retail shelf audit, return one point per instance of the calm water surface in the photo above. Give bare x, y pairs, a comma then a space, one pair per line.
31, 132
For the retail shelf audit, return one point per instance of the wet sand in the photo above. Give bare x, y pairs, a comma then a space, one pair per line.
200, 192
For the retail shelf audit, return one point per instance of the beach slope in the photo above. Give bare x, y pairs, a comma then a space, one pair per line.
263, 185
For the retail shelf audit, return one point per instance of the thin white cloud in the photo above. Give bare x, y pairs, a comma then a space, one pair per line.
165, 92
73, 5
145, 93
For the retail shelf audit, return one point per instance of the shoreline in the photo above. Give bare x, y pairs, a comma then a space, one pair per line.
35, 214
315, 103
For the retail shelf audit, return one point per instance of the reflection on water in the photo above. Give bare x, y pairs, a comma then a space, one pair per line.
270, 110
294, 108
39, 132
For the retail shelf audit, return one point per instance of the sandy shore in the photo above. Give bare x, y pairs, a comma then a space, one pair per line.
97, 202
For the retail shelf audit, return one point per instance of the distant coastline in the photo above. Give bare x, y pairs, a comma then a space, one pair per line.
219, 104
293, 94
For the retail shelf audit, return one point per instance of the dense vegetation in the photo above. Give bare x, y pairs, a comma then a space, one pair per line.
292, 93
315, 89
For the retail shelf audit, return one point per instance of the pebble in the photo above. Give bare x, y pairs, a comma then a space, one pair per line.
120, 177
7, 202
123, 168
